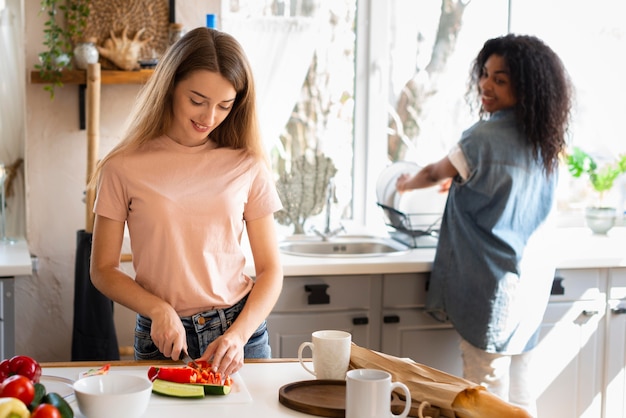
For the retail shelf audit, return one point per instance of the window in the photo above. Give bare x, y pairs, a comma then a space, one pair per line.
367, 82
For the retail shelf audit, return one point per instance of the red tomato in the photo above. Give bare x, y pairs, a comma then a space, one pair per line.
45, 410
20, 387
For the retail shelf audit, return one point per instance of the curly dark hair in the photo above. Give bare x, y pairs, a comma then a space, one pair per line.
542, 87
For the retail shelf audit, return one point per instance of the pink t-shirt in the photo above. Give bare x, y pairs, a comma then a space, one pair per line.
185, 209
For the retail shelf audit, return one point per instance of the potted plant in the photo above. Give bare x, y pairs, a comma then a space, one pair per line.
600, 218
66, 22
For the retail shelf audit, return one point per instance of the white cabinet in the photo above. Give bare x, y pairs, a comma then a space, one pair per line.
307, 304
408, 331
615, 364
580, 359
569, 356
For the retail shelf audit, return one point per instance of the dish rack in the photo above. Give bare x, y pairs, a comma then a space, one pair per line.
416, 230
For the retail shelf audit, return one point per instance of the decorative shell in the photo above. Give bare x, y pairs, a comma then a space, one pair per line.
123, 51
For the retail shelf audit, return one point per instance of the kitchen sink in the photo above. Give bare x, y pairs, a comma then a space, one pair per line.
342, 246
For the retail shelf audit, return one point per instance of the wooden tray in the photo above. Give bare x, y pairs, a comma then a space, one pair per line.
324, 398
327, 398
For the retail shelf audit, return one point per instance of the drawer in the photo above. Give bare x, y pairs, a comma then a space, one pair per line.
404, 290
617, 284
326, 293
577, 284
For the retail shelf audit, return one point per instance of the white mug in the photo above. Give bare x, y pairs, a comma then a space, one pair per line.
331, 354
368, 394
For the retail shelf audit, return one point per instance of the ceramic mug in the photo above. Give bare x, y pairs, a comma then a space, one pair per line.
331, 354
368, 394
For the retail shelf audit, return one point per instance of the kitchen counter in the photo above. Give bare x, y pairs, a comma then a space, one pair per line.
261, 380
570, 248
15, 259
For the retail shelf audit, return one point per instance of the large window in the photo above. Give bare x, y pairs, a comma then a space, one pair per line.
366, 82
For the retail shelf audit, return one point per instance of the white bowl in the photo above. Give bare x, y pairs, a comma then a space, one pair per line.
113, 395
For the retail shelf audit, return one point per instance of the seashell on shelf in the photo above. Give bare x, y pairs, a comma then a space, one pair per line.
123, 51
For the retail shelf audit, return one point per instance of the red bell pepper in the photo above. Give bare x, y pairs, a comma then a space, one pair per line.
21, 365
189, 374
172, 374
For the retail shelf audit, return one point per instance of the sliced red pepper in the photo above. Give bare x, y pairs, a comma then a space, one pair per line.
189, 374
172, 374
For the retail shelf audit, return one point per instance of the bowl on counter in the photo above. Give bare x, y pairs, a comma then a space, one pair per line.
113, 395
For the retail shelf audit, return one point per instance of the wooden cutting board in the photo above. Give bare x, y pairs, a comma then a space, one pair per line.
327, 398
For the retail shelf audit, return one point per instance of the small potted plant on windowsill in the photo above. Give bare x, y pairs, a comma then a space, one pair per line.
600, 218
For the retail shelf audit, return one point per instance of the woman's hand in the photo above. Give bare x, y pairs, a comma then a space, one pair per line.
168, 333
225, 353
403, 183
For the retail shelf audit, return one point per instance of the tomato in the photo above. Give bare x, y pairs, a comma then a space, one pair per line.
45, 410
20, 387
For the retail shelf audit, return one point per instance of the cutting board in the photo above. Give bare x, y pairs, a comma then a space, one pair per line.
327, 398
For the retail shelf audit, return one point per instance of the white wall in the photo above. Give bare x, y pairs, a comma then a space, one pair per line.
55, 171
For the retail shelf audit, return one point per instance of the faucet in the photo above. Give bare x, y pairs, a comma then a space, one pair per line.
328, 233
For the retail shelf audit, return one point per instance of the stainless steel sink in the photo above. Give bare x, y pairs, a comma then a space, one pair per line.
342, 246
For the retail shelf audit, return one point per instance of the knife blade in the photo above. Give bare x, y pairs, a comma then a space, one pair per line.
187, 359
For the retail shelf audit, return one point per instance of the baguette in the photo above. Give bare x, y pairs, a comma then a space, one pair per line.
478, 402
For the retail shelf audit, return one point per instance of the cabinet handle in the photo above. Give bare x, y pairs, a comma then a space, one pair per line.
361, 320
620, 310
590, 313
557, 286
391, 319
318, 295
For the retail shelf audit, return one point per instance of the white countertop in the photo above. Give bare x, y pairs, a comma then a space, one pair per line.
15, 259
261, 383
570, 247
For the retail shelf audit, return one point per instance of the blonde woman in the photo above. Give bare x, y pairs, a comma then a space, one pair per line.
187, 178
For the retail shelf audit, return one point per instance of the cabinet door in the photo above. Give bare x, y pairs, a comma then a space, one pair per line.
288, 331
568, 360
615, 372
414, 334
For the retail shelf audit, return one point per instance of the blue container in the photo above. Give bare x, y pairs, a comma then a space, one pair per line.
211, 21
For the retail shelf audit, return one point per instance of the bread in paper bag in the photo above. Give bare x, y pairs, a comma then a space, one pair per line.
454, 396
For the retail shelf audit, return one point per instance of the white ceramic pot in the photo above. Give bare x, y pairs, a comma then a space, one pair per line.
600, 219
85, 53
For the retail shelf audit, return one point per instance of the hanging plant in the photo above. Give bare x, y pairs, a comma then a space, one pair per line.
66, 21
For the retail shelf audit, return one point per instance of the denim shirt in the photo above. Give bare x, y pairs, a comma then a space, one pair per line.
487, 223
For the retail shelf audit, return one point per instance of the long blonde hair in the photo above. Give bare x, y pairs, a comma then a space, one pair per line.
199, 49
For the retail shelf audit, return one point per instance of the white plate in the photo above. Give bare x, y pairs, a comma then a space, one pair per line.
386, 183
60, 385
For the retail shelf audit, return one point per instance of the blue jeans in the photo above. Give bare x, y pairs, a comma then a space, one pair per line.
202, 329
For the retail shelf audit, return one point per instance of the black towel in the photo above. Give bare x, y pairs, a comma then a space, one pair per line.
93, 334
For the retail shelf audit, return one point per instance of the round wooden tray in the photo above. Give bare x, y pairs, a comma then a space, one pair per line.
327, 398
324, 398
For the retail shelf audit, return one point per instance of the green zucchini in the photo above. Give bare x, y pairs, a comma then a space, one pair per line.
213, 389
61, 404
188, 390
178, 390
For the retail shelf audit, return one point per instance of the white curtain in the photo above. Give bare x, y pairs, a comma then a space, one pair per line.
12, 91
280, 50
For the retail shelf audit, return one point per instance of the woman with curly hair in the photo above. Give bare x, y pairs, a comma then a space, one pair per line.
490, 278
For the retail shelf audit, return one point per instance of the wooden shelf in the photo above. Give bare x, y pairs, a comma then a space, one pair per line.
108, 77
79, 77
